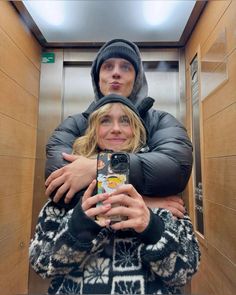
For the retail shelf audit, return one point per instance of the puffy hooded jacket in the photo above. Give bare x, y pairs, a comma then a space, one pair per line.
161, 171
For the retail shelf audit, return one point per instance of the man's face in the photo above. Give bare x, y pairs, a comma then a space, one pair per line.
116, 75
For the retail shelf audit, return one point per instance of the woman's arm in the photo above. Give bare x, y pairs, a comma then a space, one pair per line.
168, 245
64, 240
176, 255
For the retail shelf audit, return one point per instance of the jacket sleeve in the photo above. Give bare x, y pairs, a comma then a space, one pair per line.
175, 257
62, 140
165, 169
61, 242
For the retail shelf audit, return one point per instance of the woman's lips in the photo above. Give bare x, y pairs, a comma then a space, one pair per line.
117, 140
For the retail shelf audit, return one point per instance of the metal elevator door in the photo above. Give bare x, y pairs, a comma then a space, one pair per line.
163, 83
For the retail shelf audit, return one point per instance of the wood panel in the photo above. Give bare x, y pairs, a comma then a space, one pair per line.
220, 225
216, 275
217, 270
14, 63
17, 138
14, 260
220, 185
230, 20
15, 175
19, 80
214, 102
18, 207
226, 23
210, 16
205, 287
20, 35
219, 133
16, 102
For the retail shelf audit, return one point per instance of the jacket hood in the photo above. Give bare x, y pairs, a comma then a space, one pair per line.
140, 89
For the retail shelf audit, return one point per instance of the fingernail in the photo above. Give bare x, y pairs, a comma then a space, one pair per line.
106, 202
107, 222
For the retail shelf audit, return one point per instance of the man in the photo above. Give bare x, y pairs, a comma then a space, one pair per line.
163, 170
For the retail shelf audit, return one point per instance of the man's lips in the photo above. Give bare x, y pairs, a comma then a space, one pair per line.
115, 85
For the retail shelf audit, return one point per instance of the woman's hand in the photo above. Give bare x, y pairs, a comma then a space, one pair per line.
128, 203
71, 178
172, 203
89, 203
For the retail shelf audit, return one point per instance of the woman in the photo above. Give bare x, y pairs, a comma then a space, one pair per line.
149, 252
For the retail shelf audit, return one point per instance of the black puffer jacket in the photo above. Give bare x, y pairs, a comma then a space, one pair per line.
163, 170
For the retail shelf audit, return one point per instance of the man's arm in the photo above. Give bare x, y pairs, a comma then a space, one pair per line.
165, 169
60, 174
62, 140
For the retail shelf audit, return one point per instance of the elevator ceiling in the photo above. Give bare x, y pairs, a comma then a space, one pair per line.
78, 23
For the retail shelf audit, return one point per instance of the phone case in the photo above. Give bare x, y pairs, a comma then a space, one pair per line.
110, 176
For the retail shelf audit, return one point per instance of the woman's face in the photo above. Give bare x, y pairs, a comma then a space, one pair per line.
116, 75
114, 130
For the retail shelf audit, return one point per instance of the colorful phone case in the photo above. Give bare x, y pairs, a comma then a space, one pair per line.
108, 179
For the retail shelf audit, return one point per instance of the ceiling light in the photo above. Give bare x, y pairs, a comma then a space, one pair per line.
51, 12
158, 12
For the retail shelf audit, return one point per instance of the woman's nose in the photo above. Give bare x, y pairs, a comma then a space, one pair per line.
116, 127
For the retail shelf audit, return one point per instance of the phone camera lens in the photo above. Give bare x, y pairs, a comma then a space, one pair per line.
115, 162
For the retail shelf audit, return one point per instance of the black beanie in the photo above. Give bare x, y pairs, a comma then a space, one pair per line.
111, 98
118, 49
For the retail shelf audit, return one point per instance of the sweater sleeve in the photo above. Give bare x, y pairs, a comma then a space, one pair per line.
175, 257
165, 169
60, 243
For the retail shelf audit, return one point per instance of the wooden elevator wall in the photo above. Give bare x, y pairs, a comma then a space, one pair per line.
19, 81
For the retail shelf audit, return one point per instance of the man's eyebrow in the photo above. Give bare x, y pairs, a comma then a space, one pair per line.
107, 61
126, 62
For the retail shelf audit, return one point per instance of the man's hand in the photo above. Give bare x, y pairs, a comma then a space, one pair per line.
172, 203
71, 178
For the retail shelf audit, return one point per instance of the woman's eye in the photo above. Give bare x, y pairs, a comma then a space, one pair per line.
105, 121
125, 120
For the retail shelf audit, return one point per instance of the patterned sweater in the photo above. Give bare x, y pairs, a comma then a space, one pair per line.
83, 258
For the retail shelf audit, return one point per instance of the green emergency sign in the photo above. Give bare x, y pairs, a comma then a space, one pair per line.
48, 57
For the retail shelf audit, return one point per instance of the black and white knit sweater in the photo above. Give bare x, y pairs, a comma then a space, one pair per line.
83, 258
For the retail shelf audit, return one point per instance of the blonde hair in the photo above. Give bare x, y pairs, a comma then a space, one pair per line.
87, 145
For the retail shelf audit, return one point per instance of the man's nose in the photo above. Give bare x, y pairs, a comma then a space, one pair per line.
116, 72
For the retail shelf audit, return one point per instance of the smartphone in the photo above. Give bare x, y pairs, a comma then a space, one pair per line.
112, 171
